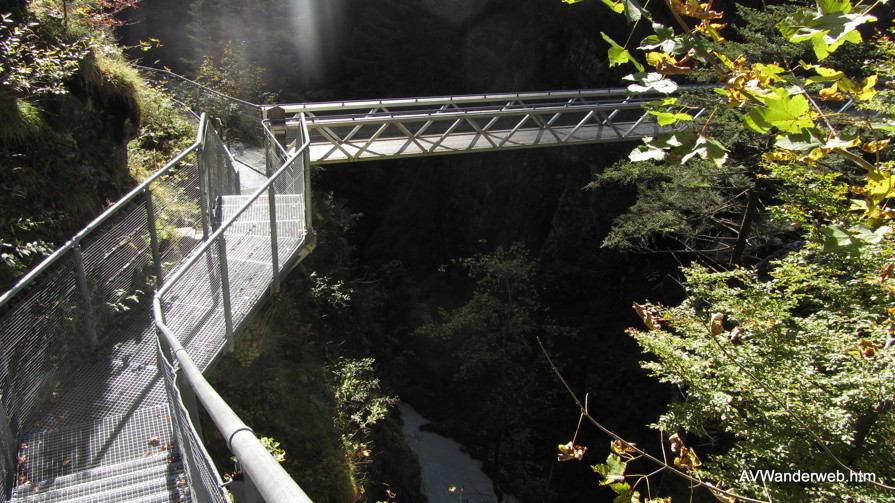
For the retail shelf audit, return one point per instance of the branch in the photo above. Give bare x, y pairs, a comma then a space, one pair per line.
855, 159
697, 482
678, 18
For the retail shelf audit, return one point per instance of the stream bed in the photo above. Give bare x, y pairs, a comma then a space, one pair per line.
444, 465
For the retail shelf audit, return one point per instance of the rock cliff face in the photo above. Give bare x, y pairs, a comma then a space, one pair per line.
60, 177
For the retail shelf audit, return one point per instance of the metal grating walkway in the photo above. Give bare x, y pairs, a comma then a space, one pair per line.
111, 433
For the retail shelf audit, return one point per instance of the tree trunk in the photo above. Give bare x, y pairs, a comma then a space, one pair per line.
736, 257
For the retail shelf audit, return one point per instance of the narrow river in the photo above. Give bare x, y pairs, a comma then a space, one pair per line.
444, 465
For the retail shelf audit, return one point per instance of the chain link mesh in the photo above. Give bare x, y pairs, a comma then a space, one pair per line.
205, 483
45, 330
241, 120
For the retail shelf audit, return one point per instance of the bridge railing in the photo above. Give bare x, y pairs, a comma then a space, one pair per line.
57, 315
367, 130
212, 296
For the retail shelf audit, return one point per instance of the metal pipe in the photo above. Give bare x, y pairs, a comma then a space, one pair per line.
306, 159
417, 116
84, 290
225, 292
275, 485
272, 216
47, 262
440, 100
274, 245
469, 98
204, 189
153, 239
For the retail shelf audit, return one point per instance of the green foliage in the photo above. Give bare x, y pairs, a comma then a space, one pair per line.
164, 132
787, 366
22, 120
359, 406
494, 361
273, 447
32, 65
807, 343
233, 74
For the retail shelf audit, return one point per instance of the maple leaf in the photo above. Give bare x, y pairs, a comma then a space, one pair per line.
618, 55
787, 113
612, 471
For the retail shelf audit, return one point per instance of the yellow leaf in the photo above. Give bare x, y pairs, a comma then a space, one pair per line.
832, 93
875, 146
694, 9
717, 324
711, 30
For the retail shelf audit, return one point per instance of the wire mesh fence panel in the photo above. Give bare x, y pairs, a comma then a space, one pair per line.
219, 171
249, 258
117, 263
43, 338
275, 151
205, 484
194, 308
240, 120
177, 201
290, 209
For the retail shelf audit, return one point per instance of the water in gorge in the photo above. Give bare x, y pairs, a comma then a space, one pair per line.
449, 475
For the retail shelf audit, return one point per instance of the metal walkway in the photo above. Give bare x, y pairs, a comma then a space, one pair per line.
98, 402
414, 127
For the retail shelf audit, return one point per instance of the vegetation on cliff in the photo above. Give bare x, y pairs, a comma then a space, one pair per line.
70, 104
784, 367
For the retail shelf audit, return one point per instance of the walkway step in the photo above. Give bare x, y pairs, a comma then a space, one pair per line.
162, 480
101, 472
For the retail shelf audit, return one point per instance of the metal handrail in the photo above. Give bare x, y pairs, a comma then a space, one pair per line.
196, 254
271, 480
203, 87
442, 100
98, 221
330, 121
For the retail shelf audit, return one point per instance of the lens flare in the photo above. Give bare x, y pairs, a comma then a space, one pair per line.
317, 27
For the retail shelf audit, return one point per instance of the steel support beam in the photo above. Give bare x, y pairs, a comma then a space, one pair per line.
84, 290
153, 240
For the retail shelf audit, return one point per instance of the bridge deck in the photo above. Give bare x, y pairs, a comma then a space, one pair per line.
457, 143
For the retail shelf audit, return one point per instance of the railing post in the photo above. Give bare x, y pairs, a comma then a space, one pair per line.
306, 193
84, 289
272, 210
10, 441
225, 292
189, 401
203, 187
153, 240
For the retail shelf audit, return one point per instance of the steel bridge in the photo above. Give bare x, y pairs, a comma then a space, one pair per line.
104, 344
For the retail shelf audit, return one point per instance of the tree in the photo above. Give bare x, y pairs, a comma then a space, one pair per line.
787, 366
497, 370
